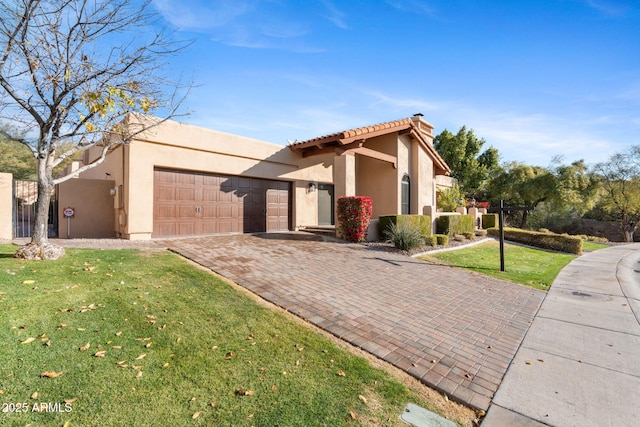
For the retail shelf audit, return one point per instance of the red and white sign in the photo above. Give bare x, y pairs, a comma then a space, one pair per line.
69, 212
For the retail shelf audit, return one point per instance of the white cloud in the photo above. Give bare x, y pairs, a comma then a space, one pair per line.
414, 6
335, 15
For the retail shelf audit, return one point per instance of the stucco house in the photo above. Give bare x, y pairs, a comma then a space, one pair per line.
182, 180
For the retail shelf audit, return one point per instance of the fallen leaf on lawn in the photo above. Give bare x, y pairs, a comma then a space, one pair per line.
142, 356
67, 423
147, 345
28, 340
23, 326
116, 347
230, 355
274, 387
85, 347
101, 353
214, 404
362, 399
250, 416
242, 392
28, 282
118, 333
193, 399
215, 347
1, 391
82, 329
50, 374
34, 395
70, 400
139, 374
341, 374
353, 415
62, 325
47, 343
166, 365
196, 415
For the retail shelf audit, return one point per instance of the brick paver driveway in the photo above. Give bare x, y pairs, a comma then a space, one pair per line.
455, 331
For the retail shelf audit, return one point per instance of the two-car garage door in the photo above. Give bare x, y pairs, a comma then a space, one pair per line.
188, 203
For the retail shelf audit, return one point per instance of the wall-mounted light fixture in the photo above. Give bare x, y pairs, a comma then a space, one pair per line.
112, 192
312, 187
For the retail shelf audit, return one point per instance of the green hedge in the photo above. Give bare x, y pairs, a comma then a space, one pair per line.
489, 221
454, 224
421, 221
442, 239
555, 242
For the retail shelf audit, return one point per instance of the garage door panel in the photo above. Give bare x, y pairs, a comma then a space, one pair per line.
191, 203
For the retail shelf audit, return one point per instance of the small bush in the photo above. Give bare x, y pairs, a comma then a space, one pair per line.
470, 236
459, 238
481, 233
421, 221
489, 221
404, 236
442, 239
431, 241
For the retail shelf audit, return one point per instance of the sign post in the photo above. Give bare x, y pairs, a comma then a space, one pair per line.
501, 210
69, 213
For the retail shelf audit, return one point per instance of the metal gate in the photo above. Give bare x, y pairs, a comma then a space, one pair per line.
25, 196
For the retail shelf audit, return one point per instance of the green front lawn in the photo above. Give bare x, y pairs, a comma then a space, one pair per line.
532, 267
129, 338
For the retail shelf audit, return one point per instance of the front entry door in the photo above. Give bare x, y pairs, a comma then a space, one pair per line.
326, 210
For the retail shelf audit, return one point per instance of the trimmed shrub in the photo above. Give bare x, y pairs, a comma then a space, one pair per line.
470, 236
459, 238
481, 233
354, 215
442, 239
404, 235
489, 221
431, 241
454, 224
423, 222
555, 242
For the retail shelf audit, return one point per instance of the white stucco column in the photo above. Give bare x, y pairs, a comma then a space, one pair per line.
344, 175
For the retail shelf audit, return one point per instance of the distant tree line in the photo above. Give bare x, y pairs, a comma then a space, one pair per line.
560, 193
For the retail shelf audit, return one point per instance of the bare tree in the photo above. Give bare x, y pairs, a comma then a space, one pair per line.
620, 178
75, 74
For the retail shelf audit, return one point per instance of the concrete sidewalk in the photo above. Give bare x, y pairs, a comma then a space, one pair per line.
578, 364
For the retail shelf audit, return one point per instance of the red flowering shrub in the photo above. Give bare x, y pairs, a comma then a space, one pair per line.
354, 215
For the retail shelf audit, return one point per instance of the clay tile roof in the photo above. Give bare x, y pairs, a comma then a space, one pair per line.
347, 136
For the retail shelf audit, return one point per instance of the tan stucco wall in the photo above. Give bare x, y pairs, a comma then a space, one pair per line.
6, 206
93, 204
176, 145
377, 178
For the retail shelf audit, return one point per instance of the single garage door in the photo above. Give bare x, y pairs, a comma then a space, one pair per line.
188, 203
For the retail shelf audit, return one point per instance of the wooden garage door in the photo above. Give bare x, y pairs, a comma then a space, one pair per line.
188, 203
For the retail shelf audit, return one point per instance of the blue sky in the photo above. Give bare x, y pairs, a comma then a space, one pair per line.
535, 78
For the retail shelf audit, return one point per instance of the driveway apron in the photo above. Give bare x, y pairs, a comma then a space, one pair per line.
454, 330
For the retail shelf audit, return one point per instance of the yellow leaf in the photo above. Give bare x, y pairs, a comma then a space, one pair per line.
34, 395
50, 374
70, 400
196, 415
341, 374
28, 340
28, 282
100, 353
353, 415
139, 374
166, 365
362, 399
118, 333
142, 356
67, 423
85, 347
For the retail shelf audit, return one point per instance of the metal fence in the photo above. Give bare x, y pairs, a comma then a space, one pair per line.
25, 196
